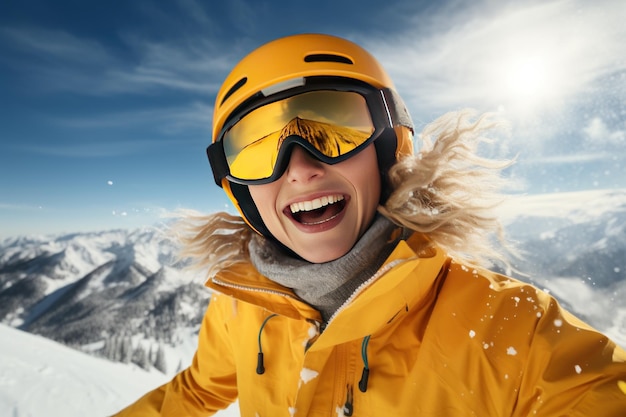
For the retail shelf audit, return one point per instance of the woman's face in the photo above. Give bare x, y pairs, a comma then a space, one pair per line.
317, 210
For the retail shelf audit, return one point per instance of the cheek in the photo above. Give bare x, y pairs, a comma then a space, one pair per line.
370, 186
365, 177
375, 190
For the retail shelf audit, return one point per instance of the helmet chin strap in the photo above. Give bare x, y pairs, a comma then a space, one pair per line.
252, 215
248, 208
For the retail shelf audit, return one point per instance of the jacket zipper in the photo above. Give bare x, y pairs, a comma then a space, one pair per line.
348, 407
349, 360
364, 285
344, 385
250, 289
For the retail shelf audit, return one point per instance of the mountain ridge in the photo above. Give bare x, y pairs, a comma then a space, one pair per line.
86, 290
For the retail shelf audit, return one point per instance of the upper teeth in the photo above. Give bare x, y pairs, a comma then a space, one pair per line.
315, 203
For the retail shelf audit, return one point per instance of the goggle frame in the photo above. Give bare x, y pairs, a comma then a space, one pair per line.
381, 104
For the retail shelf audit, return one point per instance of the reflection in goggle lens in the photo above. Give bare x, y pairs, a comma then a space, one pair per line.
333, 122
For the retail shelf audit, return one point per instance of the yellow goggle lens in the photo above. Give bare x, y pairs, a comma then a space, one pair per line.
333, 122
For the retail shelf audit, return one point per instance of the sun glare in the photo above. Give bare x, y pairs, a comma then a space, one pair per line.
526, 81
526, 78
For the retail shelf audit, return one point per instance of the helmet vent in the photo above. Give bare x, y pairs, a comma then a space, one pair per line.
234, 88
328, 58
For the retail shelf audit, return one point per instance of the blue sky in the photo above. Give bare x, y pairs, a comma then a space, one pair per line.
105, 107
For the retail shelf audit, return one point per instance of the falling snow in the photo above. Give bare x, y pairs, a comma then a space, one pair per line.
311, 333
472, 333
578, 369
308, 374
511, 351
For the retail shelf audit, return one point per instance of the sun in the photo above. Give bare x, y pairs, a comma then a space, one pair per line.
526, 81
527, 78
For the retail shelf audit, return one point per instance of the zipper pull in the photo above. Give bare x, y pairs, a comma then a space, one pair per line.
260, 368
364, 378
322, 327
348, 407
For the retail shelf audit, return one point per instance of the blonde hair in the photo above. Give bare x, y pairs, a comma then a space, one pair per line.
449, 193
214, 241
445, 191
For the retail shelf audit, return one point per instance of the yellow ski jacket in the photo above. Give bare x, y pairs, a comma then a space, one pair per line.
424, 337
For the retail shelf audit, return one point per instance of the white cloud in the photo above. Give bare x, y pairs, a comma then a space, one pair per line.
57, 45
577, 158
60, 61
541, 64
84, 148
524, 56
19, 207
195, 115
598, 132
196, 11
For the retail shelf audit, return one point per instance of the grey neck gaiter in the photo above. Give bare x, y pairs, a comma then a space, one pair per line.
326, 286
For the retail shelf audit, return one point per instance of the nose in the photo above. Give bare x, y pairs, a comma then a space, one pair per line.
303, 167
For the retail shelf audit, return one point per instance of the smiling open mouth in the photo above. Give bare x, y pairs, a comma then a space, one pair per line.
317, 211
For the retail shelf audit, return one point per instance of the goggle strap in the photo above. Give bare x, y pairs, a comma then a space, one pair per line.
387, 110
217, 160
399, 113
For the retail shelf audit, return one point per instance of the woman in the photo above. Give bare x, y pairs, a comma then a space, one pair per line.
353, 283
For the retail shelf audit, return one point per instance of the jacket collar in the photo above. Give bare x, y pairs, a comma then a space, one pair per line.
403, 282
406, 282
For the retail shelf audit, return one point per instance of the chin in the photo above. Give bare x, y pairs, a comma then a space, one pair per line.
319, 257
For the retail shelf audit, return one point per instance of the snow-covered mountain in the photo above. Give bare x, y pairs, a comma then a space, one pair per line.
122, 296
574, 246
118, 294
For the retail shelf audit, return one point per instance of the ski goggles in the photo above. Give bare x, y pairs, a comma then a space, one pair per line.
332, 121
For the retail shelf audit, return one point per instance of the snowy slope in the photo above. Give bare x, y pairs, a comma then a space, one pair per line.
41, 378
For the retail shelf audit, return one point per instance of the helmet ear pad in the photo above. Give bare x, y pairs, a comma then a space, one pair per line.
241, 193
393, 146
251, 214
386, 146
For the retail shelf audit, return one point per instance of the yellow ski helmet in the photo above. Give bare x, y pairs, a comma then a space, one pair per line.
289, 66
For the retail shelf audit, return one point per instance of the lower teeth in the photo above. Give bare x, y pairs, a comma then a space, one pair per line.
320, 221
